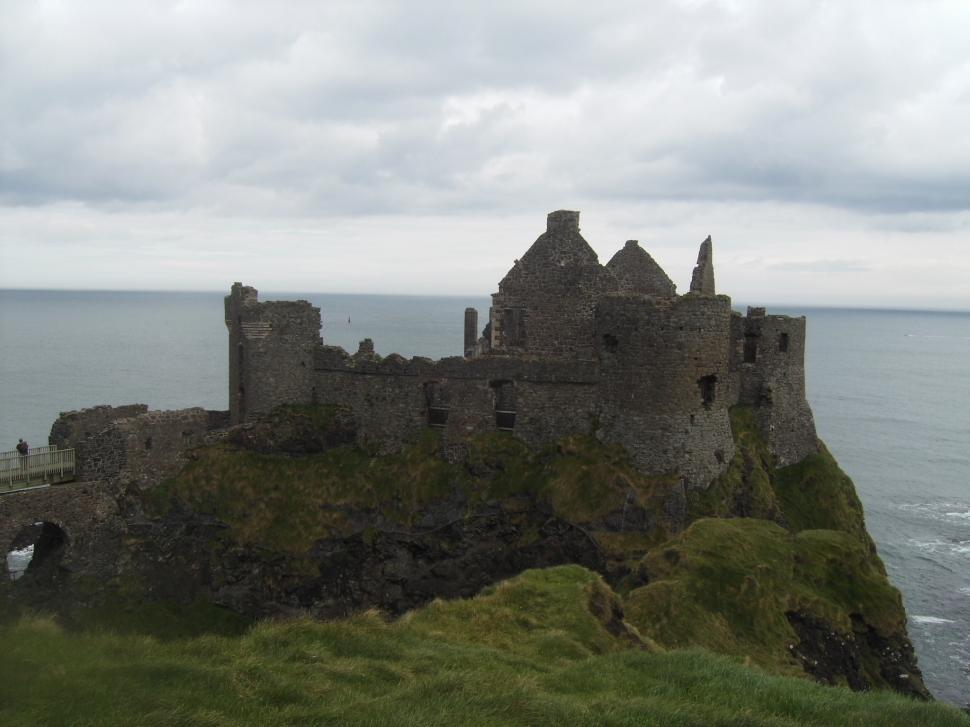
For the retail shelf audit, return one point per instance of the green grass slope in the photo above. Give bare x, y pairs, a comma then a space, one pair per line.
727, 585
769, 548
544, 648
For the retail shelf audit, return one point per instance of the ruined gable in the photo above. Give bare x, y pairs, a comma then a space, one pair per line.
544, 305
702, 281
637, 272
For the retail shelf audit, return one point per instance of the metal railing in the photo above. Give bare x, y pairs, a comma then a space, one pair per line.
33, 450
36, 468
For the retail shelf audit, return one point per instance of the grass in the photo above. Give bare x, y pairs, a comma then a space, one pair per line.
814, 494
288, 503
727, 584
766, 541
746, 488
531, 651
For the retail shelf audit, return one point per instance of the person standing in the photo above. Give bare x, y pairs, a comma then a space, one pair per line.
23, 449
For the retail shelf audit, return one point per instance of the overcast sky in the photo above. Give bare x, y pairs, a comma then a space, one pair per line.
416, 147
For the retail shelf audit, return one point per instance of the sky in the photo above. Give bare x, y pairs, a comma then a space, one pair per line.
416, 147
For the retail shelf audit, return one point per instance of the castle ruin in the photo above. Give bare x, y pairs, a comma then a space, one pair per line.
570, 346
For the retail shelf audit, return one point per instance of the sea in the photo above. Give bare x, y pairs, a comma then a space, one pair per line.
890, 390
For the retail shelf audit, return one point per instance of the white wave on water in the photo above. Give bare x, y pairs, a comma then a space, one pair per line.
953, 547
927, 335
18, 560
931, 620
945, 511
965, 589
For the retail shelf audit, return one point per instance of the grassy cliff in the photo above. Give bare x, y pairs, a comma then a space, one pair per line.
544, 648
770, 564
777, 567
772, 569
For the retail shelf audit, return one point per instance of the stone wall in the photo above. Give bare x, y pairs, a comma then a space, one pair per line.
770, 356
271, 349
144, 449
73, 426
102, 456
88, 515
667, 382
394, 399
157, 443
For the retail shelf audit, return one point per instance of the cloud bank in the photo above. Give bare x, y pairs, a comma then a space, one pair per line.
186, 133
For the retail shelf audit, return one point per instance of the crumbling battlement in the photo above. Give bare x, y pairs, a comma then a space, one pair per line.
73, 426
771, 359
131, 444
570, 346
271, 349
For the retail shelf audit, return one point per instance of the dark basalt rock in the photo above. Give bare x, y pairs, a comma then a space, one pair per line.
395, 571
831, 657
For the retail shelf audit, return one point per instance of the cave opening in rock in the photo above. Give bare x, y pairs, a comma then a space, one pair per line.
37, 548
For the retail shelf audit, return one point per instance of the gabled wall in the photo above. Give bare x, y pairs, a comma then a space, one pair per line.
544, 305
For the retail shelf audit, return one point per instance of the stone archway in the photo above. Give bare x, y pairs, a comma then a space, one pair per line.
36, 550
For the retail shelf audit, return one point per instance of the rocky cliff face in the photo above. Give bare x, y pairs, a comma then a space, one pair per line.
287, 516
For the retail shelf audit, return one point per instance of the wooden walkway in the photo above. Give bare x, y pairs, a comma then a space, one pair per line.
42, 466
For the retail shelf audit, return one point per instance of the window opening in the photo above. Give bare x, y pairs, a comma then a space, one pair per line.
434, 400
750, 348
505, 405
513, 326
783, 343
708, 386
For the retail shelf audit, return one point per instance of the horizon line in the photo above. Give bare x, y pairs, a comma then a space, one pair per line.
913, 308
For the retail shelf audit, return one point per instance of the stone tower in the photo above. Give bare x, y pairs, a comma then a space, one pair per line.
271, 348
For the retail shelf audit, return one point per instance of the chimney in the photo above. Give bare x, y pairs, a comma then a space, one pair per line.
471, 331
562, 221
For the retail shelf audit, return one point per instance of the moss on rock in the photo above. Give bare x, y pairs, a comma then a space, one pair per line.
776, 560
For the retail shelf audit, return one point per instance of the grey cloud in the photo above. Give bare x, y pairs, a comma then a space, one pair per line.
344, 108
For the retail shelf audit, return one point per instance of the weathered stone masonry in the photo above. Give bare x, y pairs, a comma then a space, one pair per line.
131, 444
571, 346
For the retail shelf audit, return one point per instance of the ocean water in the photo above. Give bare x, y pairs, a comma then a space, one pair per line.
890, 391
